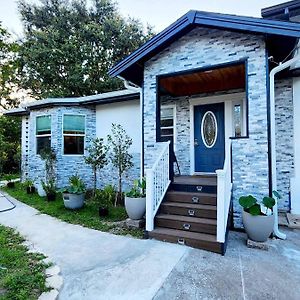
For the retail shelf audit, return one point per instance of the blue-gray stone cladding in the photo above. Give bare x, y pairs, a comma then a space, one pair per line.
209, 47
67, 165
284, 139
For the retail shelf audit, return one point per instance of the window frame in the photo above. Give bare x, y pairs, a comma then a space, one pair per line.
42, 135
173, 107
69, 134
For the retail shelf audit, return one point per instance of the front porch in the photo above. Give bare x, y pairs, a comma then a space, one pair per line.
200, 112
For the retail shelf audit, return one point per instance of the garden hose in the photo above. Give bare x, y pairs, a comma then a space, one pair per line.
7, 209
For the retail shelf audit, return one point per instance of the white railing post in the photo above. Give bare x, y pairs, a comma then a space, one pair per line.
149, 200
223, 197
221, 194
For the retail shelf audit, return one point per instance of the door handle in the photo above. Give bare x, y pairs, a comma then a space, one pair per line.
196, 142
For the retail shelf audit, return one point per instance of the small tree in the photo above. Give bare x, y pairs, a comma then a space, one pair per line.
96, 158
120, 158
48, 155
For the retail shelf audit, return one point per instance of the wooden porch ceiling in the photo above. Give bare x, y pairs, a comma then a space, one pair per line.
221, 79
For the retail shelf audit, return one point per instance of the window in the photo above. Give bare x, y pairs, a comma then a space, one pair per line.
167, 123
239, 119
43, 133
73, 134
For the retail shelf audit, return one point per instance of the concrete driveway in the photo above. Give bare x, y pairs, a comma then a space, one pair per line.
97, 265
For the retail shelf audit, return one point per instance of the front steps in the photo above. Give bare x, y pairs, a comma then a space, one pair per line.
188, 214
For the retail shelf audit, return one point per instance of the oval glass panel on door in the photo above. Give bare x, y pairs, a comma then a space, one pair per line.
209, 137
209, 129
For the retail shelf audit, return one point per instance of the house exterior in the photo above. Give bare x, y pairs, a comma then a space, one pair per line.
68, 126
212, 114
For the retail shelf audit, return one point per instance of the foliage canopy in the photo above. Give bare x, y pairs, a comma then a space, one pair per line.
69, 46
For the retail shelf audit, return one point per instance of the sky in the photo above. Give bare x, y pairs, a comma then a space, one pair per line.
158, 13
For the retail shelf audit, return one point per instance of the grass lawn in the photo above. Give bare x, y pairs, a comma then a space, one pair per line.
87, 216
22, 274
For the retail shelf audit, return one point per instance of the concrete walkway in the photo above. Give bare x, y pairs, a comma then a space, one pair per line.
97, 265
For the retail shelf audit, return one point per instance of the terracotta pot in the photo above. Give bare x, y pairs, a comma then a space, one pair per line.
135, 207
258, 228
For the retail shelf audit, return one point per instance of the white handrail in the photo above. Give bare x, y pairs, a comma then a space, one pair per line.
223, 197
157, 183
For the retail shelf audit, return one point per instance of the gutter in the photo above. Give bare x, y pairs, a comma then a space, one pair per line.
276, 70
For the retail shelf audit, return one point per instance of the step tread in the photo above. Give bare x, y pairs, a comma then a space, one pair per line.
195, 180
179, 193
187, 219
190, 205
185, 234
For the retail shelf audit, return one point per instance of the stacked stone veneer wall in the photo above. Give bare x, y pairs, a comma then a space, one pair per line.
67, 165
284, 139
25, 147
182, 126
208, 47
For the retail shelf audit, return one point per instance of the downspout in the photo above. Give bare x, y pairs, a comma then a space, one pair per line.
133, 87
277, 69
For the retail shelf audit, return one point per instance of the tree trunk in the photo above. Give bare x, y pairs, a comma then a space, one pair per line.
118, 199
95, 181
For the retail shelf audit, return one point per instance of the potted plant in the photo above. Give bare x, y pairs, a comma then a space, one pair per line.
258, 218
105, 198
74, 195
135, 200
50, 189
29, 185
10, 184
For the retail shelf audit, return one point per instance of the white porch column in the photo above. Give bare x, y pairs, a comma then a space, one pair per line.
295, 181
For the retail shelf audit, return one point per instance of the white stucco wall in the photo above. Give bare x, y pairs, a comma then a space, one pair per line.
125, 113
295, 187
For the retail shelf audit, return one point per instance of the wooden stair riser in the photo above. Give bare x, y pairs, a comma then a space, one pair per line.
189, 212
186, 226
209, 189
195, 243
194, 198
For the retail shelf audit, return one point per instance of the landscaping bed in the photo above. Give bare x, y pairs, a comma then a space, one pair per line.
22, 274
88, 216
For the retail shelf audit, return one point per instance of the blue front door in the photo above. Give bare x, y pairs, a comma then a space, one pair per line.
209, 135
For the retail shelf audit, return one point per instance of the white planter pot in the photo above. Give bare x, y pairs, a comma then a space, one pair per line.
73, 201
258, 228
135, 207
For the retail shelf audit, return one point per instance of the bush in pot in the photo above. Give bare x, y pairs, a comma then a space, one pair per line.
29, 185
135, 200
50, 189
10, 184
74, 194
258, 218
105, 198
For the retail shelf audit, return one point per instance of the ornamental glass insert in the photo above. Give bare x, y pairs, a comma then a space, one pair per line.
209, 129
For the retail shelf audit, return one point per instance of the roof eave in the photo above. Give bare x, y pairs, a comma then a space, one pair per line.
195, 18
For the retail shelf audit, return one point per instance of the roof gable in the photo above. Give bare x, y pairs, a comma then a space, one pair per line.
131, 68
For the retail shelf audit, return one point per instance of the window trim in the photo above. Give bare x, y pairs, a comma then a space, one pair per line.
173, 106
68, 134
42, 135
